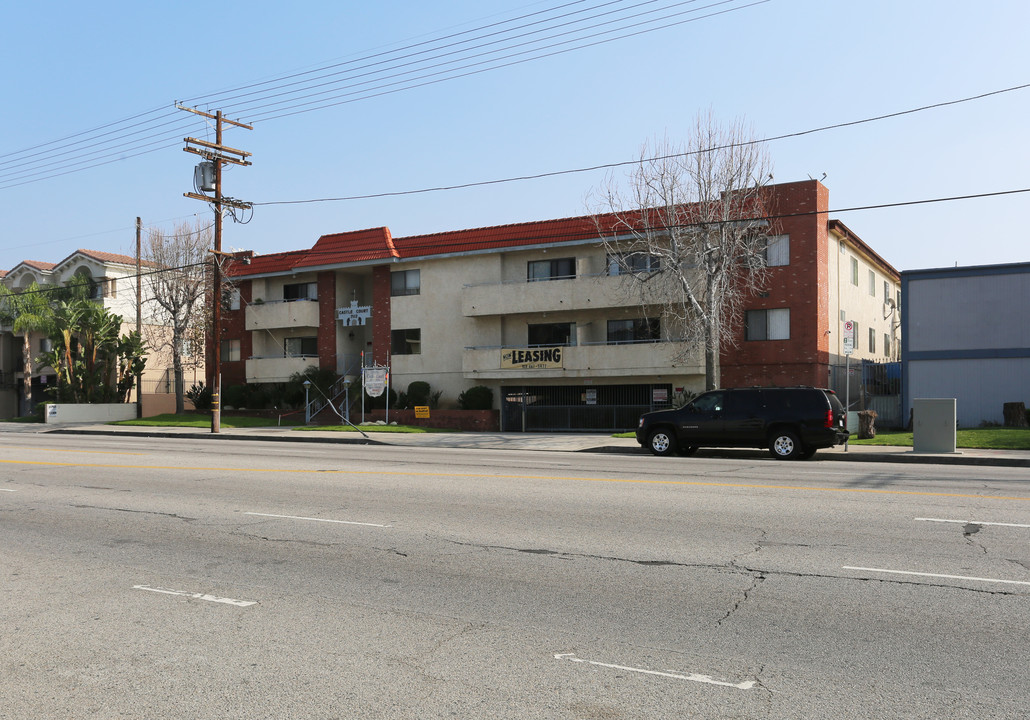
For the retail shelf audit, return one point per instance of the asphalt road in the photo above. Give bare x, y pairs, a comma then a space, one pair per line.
155, 578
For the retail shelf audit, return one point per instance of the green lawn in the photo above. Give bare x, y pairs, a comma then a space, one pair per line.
985, 438
203, 421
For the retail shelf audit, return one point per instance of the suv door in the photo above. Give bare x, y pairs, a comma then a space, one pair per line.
743, 419
700, 421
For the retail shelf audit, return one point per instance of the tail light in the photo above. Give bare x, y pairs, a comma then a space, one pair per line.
829, 419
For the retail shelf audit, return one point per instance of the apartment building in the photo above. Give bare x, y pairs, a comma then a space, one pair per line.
113, 281
543, 316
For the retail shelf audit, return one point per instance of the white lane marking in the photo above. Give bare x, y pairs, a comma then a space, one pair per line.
692, 677
938, 575
297, 517
8, 490
196, 596
973, 522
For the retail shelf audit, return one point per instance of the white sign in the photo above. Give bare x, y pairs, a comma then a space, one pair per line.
849, 337
354, 315
374, 379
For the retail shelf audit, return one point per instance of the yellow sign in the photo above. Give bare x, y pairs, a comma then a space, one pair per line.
422, 411
532, 358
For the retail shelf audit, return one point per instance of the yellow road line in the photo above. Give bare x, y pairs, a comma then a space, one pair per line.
687, 483
85, 452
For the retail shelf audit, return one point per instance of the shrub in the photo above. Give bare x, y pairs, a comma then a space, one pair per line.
200, 395
418, 394
479, 397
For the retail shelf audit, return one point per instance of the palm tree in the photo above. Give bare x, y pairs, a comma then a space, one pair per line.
28, 312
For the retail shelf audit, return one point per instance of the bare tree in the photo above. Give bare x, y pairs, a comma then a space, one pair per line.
174, 290
690, 233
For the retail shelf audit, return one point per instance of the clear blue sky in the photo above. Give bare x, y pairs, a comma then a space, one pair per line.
785, 65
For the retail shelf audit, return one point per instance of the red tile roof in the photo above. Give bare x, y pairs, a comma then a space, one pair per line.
356, 246
378, 244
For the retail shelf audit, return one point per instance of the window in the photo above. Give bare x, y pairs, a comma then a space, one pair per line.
301, 346
406, 342
777, 251
300, 291
854, 271
634, 262
768, 324
886, 345
872, 283
557, 269
886, 291
230, 350
636, 330
45, 345
405, 282
550, 334
872, 340
234, 298
857, 336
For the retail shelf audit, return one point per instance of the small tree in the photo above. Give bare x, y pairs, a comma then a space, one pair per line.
174, 290
691, 233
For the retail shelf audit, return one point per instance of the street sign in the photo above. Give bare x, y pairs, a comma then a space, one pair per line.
849, 337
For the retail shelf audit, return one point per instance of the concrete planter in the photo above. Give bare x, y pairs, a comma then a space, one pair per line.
99, 413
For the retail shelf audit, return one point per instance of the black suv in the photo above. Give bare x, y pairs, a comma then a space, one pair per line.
792, 422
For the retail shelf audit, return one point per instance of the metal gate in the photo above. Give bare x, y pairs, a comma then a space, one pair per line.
871, 386
561, 408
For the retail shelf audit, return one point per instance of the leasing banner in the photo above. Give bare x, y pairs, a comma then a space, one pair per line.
531, 358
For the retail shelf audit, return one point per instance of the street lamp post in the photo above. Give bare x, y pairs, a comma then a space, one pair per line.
307, 406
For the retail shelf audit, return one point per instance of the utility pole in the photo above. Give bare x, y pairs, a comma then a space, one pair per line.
216, 154
139, 318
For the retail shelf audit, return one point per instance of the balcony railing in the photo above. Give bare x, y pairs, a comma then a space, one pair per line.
278, 368
591, 360
585, 292
282, 314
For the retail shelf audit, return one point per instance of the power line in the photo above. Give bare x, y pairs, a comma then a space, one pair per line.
623, 163
54, 159
311, 256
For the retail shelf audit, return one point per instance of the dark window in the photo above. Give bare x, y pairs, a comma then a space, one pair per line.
300, 291
557, 269
768, 324
636, 262
405, 282
230, 350
406, 342
550, 334
872, 340
635, 330
300, 346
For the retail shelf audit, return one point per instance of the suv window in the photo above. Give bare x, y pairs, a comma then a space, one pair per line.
709, 402
744, 403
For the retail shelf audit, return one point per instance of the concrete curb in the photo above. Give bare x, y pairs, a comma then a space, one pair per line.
970, 458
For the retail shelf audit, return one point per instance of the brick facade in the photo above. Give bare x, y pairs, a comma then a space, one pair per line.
801, 286
327, 325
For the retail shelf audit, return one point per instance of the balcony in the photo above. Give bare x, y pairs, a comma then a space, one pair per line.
589, 292
282, 314
277, 369
589, 361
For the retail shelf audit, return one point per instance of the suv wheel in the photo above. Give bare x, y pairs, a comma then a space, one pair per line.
661, 442
784, 445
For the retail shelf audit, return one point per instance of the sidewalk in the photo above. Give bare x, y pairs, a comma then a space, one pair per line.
552, 442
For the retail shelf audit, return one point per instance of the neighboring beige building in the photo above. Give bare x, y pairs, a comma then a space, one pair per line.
113, 278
